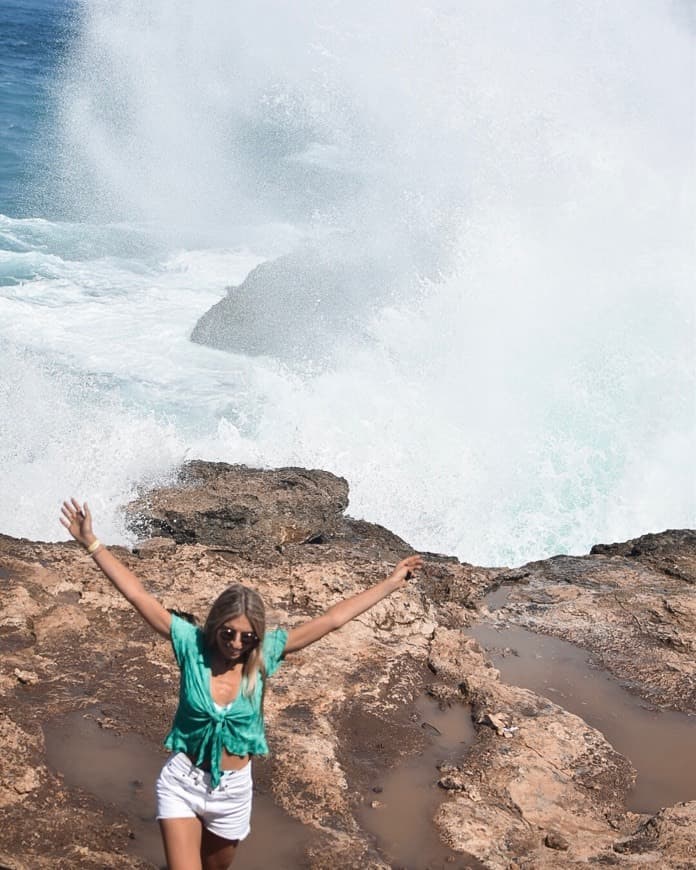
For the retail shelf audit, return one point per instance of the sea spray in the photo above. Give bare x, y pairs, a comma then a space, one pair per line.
526, 387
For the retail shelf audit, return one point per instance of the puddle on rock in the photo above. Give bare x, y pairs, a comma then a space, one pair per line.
659, 744
121, 769
399, 810
497, 598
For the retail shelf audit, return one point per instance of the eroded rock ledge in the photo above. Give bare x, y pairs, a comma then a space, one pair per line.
539, 787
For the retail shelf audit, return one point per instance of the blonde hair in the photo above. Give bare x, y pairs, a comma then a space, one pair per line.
238, 600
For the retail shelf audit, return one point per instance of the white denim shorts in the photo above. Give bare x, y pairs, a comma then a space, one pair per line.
183, 792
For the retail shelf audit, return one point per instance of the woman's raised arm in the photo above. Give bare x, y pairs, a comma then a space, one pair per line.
341, 613
77, 519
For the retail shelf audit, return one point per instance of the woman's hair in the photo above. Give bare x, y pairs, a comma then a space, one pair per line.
238, 600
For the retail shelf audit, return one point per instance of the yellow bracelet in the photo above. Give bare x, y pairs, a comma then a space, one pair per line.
94, 546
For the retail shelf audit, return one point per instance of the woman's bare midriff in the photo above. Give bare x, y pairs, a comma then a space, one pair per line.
227, 761
233, 762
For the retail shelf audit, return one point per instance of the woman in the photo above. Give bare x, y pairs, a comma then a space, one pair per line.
204, 789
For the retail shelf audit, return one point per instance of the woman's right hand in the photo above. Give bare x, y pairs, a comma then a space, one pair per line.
77, 519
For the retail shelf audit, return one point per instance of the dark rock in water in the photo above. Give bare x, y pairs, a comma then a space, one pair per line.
296, 307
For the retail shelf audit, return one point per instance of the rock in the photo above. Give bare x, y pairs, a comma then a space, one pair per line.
240, 509
154, 546
671, 832
297, 306
632, 606
672, 552
495, 721
451, 782
339, 714
554, 840
29, 781
21, 773
530, 783
8, 862
60, 620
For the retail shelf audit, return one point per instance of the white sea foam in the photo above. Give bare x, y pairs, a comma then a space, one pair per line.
62, 434
530, 387
108, 392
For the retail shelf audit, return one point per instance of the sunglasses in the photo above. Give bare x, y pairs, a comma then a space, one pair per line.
247, 638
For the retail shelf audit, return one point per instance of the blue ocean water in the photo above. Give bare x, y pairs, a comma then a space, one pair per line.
34, 35
522, 385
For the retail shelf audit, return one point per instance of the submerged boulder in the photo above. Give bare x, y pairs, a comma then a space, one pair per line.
297, 307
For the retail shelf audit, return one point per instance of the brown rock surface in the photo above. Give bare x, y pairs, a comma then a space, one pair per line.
539, 787
236, 507
632, 605
552, 774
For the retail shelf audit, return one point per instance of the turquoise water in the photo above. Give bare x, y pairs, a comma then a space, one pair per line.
506, 195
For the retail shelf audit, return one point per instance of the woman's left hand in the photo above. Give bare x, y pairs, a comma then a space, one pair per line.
405, 569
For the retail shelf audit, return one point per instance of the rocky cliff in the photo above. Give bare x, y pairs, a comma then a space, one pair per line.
533, 785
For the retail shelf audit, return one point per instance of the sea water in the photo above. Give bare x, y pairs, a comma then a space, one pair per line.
525, 388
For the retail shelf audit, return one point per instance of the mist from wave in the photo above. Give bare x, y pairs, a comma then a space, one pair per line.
526, 386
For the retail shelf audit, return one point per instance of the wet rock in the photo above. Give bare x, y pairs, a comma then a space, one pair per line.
672, 552
239, 508
295, 307
554, 840
451, 778
154, 546
495, 721
670, 832
632, 606
528, 783
339, 714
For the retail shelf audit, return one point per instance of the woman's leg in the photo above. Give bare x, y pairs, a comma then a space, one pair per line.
216, 852
182, 843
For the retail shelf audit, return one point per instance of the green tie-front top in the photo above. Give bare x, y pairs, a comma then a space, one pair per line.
200, 728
